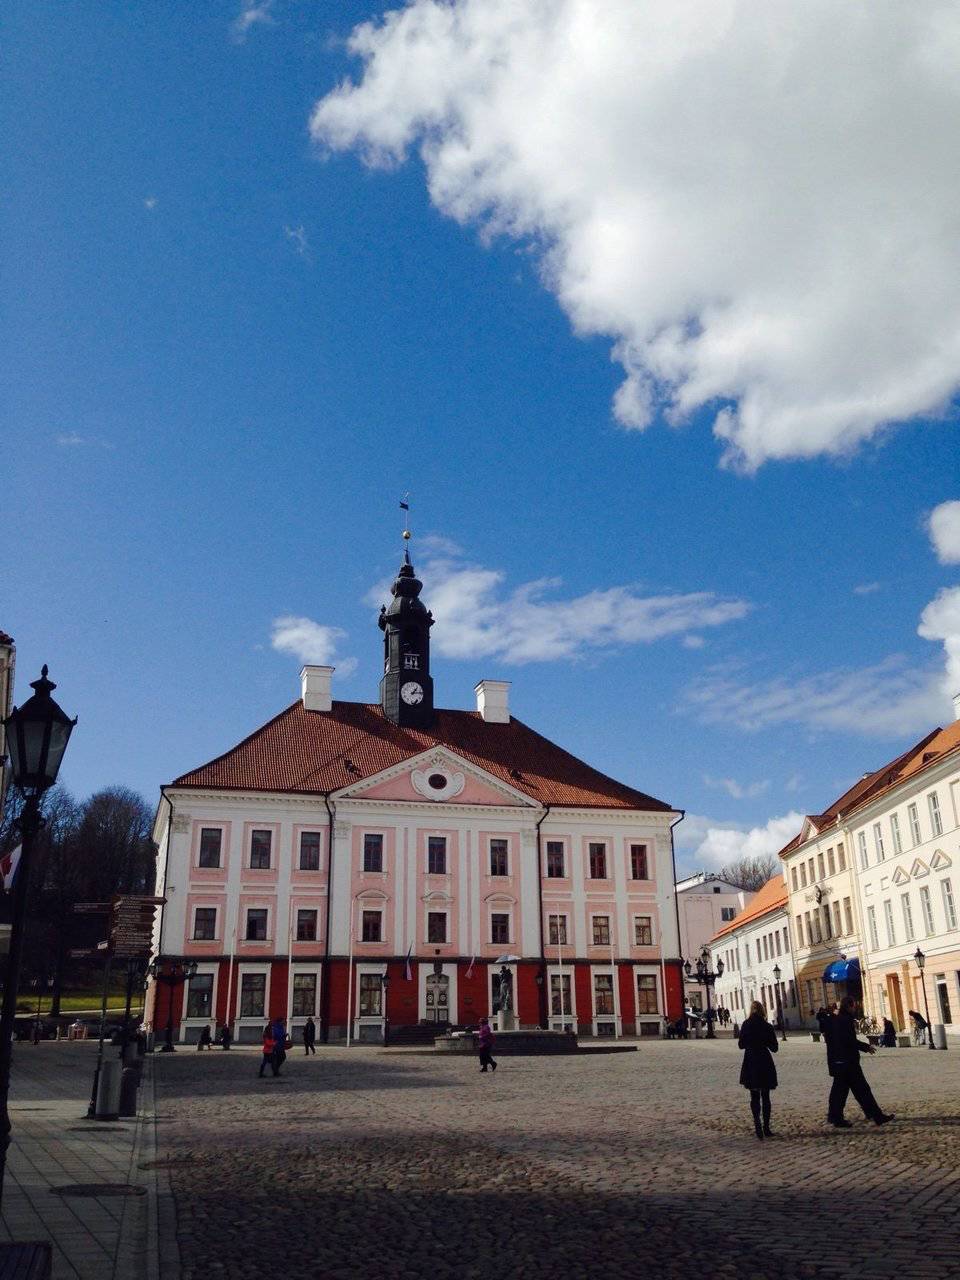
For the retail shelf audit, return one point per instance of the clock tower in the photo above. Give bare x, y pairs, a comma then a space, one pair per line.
406, 689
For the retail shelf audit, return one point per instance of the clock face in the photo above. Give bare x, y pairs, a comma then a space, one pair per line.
411, 692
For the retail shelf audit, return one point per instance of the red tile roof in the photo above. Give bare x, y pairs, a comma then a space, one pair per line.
770, 897
312, 752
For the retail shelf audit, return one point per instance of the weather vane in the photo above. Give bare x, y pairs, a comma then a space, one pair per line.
405, 506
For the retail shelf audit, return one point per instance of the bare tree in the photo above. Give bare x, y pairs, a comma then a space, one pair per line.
752, 873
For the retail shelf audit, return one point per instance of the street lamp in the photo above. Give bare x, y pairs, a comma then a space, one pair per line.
780, 1017
921, 960
706, 978
177, 971
37, 735
541, 1003
384, 984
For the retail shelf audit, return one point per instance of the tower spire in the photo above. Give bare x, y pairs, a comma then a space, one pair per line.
406, 689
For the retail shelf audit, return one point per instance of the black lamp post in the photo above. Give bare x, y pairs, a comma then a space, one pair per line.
780, 1018
384, 984
706, 977
171, 973
37, 736
541, 1004
921, 960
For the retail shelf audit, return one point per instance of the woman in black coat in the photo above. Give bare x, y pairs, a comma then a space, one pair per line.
758, 1040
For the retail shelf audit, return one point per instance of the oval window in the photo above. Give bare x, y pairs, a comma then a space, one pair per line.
437, 781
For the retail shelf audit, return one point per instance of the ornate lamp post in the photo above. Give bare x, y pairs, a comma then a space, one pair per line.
384, 985
780, 1018
706, 977
541, 1006
171, 973
921, 960
37, 737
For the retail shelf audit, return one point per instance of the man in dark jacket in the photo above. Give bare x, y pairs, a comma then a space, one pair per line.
310, 1037
843, 1063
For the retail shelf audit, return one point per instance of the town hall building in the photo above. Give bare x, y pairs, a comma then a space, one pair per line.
378, 866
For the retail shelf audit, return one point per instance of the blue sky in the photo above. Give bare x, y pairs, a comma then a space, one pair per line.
231, 347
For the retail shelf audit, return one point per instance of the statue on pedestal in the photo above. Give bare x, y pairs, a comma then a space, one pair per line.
506, 990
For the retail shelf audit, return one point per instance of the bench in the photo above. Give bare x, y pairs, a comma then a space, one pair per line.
30, 1261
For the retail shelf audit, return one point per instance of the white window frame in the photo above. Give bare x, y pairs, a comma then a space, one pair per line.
596, 970
499, 875
913, 816
297, 908
936, 817
878, 841
888, 922
648, 971
205, 906
259, 1019
257, 942
203, 971
872, 923
926, 907
949, 905
317, 970
434, 910
212, 826
895, 833
500, 909
906, 910
566, 1021
563, 926
605, 915
862, 846
653, 937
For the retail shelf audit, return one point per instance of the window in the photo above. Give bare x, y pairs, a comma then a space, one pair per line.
205, 924
820, 866
437, 855
638, 862
943, 998
304, 995
766, 947
643, 931
810, 875
371, 926
825, 912
253, 994
256, 924
793, 879
949, 906
837, 927
936, 822
817, 935
895, 834
888, 922
799, 924
878, 841
601, 931
914, 818
210, 842
555, 859
647, 993
907, 916
557, 928
847, 916
598, 862
803, 875
373, 854
309, 850
603, 993
260, 850
411, 661
498, 858
306, 925
499, 927
436, 926
371, 990
560, 1005
759, 953
807, 929
926, 907
831, 863
727, 913
862, 846
841, 858
786, 941
776, 939
872, 922
200, 996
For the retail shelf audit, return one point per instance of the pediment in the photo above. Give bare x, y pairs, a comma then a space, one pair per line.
940, 860
900, 876
919, 868
439, 776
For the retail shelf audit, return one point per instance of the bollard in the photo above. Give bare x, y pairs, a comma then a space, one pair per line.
129, 1081
108, 1090
939, 1035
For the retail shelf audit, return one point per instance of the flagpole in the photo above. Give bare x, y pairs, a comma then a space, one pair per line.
616, 991
228, 1020
350, 979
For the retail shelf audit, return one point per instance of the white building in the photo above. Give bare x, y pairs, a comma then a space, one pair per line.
705, 903
752, 947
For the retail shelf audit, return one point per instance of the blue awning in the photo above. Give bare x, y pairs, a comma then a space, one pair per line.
842, 971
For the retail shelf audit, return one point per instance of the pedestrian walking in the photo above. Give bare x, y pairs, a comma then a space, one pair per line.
206, 1040
758, 1040
279, 1044
269, 1046
310, 1037
225, 1037
889, 1034
843, 1060
485, 1039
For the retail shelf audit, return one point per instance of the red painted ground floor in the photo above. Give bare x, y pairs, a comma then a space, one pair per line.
389, 995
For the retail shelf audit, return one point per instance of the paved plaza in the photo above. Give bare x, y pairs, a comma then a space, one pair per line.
365, 1163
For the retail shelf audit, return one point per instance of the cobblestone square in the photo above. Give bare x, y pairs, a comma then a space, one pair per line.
397, 1164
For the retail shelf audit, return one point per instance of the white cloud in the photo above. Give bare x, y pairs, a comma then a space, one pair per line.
299, 237
478, 616
707, 845
940, 620
150, 202
252, 13
736, 790
310, 642
73, 440
944, 527
866, 588
755, 202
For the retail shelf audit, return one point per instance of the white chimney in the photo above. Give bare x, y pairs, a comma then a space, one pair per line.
493, 701
315, 688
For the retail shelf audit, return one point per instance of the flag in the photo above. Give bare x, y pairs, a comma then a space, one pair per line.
8, 866
408, 972
473, 961
404, 506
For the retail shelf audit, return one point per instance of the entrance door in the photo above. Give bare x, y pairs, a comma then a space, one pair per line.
896, 1000
438, 998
